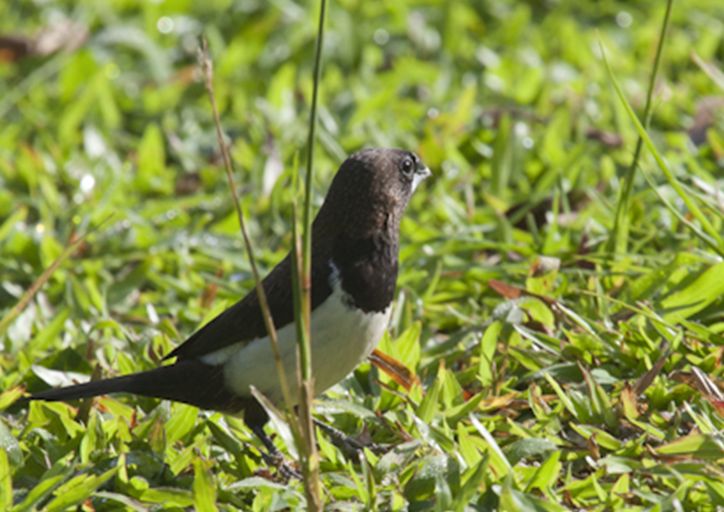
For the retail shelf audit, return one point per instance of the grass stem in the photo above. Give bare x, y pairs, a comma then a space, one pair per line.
312, 483
207, 69
621, 221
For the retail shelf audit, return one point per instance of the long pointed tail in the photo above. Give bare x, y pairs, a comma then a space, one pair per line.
190, 381
126, 383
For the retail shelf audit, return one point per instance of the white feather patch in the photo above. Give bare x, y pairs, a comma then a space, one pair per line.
342, 337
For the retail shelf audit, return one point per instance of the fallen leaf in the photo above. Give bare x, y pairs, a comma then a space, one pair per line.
608, 139
395, 369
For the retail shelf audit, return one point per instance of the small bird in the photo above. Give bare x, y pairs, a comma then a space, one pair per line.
355, 245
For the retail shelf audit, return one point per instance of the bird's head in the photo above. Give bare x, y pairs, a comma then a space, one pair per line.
372, 189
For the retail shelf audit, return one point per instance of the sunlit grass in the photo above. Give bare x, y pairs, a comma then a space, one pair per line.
553, 374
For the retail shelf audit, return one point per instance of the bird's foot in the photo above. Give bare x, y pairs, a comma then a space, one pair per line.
274, 458
348, 444
286, 470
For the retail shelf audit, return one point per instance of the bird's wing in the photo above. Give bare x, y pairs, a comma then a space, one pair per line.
243, 322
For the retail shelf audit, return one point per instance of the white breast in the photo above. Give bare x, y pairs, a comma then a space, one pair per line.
342, 337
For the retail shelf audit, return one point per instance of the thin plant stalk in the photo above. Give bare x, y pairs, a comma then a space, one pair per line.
207, 68
303, 264
621, 222
44, 277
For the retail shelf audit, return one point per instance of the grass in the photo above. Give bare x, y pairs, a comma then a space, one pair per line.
553, 373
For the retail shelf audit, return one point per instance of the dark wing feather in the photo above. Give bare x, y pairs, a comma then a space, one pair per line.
243, 322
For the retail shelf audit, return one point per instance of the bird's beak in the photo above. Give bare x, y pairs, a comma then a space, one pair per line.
421, 174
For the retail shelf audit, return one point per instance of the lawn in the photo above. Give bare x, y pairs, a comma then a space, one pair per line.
560, 309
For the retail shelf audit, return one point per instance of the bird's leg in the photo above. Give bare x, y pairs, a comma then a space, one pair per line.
347, 443
273, 457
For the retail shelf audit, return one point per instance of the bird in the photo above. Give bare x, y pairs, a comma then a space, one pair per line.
354, 267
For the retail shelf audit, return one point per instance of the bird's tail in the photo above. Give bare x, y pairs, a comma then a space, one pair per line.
190, 381
124, 384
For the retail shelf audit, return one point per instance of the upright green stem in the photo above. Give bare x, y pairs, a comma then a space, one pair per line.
303, 274
307, 220
621, 222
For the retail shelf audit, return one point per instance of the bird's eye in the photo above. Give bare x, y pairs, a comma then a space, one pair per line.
407, 166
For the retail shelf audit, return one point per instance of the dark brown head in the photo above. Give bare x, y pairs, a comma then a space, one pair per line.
370, 192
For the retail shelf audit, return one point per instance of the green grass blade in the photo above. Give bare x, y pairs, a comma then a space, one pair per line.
303, 282
621, 222
670, 178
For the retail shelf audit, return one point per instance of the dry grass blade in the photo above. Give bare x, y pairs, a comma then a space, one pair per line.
506, 290
699, 380
512, 292
395, 369
647, 378
711, 70
706, 385
43, 278
207, 69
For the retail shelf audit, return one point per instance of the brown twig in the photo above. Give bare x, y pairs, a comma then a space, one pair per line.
208, 73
